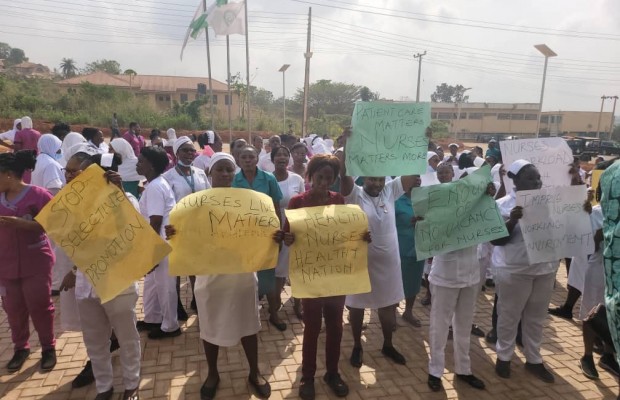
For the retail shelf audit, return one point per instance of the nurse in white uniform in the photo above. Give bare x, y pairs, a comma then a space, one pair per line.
160, 297
227, 305
377, 199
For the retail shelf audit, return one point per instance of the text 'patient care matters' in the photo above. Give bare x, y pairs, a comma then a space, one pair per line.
388, 139
94, 223
554, 224
456, 215
329, 256
223, 231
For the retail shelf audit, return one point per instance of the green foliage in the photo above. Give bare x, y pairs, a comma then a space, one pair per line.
445, 93
68, 68
16, 56
109, 66
439, 129
5, 50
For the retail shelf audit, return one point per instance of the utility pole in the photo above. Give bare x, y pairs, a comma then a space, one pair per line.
419, 57
600, 116
247, 69
307, 55
613, 115
204, 7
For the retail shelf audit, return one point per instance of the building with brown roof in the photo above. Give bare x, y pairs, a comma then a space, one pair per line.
162, 90
27, 70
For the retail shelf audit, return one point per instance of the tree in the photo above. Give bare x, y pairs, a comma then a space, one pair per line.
131, 73
329, 98
367, 95
68, 67
109, 66
5, 50
449, 94
16, 56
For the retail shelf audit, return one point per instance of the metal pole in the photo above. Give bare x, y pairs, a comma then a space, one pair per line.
542, 94
284, 100
307, 55
600, 116
613, 114
247, 68
204, 7
229, 92
419, 57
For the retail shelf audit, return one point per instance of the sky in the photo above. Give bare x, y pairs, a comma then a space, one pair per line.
485, 45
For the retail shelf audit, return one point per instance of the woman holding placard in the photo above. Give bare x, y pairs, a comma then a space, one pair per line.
26, 257
322, 172
252, 177
524, 290
227, 304
291, 185
377, 199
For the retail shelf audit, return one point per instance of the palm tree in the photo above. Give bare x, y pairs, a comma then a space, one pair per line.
131, 74
68, 67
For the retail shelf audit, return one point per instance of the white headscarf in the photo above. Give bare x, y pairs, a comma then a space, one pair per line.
123, 148
210, 137
15, 123
26, 123
49, 144
180, 142
219, 156
495, 172
70, 140
171, 134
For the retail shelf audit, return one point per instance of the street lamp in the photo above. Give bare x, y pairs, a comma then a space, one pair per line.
547, 52
283, 70
458, 116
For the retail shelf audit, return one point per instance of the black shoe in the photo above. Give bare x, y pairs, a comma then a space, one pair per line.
489, 283
18, 360
114, 345
491, 337
181, 313
147, 326
502, 369
105, 395
608, 363
192, 305
434, 383
336, 384
476, 331
85, 377
48, 359
539, 371
471, 381
208, 392
281, 326
588, 368
159, 334
357, 357
394, 355
262, 391
306, 389
561, 312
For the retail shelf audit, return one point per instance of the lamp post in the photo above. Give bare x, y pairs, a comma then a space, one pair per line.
547, 52
283, 70
458, 116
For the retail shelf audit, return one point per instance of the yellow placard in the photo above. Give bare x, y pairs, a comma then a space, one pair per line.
102, 233
223, 231
329, 256
596, 178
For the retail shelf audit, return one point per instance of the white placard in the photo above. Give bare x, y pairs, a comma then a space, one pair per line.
554, 224
551, 156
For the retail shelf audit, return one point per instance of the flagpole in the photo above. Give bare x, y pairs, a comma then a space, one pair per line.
229, 92
247, 68
204, 6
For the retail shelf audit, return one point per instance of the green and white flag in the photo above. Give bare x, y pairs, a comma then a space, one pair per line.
227, 18
199, 22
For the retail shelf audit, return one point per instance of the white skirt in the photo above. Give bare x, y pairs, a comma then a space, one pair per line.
227, 307
283, 262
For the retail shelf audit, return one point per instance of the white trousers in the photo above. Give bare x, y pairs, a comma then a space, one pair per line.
98, 320
160, 298
451, 306
525, 298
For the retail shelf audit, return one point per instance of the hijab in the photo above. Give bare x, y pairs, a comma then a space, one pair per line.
123, 148
70, 140
127, 169
26, 123
49, 144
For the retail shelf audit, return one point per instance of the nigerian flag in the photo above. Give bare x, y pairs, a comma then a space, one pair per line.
199, 21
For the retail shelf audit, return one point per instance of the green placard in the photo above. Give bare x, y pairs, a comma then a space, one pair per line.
388, 139
456, 215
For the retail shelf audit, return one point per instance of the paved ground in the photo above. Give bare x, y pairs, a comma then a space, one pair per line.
175, 368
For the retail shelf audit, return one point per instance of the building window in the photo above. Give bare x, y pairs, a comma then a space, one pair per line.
475, 116
215, 99
183, 97
531, 117
490, 115
503, 116
167, 97
446, 115
544, 119
434, 115
517, 116
227, 101
160, 98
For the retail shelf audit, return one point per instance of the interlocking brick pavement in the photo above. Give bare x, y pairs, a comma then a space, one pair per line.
175, 368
